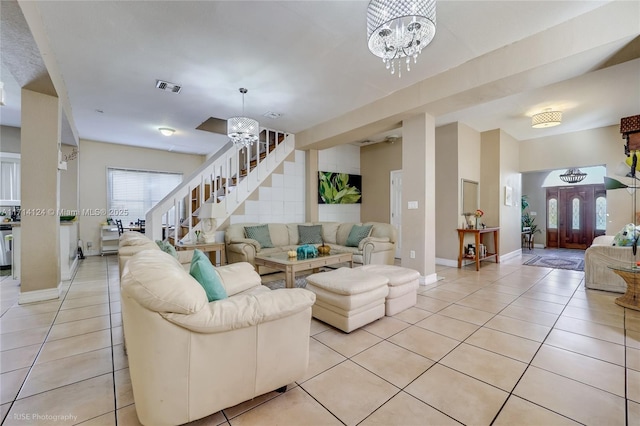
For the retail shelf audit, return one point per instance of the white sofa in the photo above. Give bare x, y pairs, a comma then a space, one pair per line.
597, 260
132, 242
378, 248
189, 358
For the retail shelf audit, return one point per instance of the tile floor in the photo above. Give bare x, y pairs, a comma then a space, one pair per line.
509, 344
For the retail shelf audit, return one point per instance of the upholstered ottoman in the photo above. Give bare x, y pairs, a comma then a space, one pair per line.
348, 298
403, 286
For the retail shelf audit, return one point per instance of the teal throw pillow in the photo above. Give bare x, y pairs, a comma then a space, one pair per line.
204, 272
260, 233
357, 234
310, 234
167, 248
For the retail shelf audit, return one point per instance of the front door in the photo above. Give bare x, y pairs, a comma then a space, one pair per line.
571, 216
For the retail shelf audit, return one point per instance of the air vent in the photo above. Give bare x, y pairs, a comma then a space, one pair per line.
168, 87
271, 114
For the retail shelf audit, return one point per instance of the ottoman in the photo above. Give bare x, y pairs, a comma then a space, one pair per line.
403, 286
348, 298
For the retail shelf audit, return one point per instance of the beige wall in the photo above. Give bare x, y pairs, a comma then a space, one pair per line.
447, 192
376, 163
536, 197
10, 139
601, 146
96, 157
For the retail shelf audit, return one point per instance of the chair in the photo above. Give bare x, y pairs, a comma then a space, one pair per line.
189, 358
140, 224
120, 227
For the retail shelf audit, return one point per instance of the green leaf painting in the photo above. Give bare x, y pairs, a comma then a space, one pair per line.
339, 188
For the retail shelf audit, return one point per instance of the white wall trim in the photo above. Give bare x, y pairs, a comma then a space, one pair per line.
447, 262
428, 279
39, 295
515, 253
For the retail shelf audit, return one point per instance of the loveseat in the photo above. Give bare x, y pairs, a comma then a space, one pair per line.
597, 260
189, 358
377, 248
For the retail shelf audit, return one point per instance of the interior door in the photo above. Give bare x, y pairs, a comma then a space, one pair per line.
396, 207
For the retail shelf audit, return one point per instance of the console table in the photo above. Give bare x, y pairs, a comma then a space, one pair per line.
479, 238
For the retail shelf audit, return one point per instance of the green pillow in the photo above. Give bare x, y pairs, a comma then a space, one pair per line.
357, 234
204, 272
310, 234
260, 233
167, 248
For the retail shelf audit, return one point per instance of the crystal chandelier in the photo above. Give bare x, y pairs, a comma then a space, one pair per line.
243, 131
399, 29
573, 176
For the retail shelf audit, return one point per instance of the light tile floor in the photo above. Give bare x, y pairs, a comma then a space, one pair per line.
509, 344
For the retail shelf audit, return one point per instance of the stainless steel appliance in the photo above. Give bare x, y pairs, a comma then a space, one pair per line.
5, 246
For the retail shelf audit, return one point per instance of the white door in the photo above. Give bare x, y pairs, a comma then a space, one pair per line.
396, 206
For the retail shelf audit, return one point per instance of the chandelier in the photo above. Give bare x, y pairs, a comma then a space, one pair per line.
243, 131
573, 176
399, 29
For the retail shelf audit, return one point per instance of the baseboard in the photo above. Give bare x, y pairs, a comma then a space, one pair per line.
428, 279
446, 262
513, 254
39, 295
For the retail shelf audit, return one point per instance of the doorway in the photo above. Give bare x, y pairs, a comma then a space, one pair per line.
395, 198
574, 215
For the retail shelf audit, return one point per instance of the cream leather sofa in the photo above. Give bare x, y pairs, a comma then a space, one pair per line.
189, 358
379, 248
599, 257
132, 242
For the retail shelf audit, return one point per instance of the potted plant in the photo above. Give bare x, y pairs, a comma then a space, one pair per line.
527, 219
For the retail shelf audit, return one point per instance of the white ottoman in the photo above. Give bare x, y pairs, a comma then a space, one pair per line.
348, 298
403, 286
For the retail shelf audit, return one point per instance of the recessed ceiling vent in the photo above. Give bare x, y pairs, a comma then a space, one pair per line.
168, 87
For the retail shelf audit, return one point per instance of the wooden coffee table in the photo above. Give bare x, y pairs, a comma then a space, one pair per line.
291, 265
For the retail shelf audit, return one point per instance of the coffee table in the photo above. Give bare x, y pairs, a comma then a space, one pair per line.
631, 276
291, 265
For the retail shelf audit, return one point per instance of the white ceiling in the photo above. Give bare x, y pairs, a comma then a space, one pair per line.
307, 60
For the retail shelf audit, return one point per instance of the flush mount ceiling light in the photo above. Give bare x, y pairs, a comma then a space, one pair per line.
243, 131
547, 118
573, 176
166, 131
400, 29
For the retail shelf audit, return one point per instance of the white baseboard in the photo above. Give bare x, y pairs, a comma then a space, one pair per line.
39, 295
428, 279
515, 253
446, 262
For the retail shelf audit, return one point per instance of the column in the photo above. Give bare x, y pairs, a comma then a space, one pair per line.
418, 188
40, 194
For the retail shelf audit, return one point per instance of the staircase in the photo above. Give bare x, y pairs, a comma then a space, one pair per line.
225, 181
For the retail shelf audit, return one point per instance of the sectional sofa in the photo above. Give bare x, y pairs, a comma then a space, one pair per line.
378, 247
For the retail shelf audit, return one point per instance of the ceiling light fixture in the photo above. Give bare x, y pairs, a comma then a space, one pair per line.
573, 176
166, 131
400, 29
243, 131
547, 118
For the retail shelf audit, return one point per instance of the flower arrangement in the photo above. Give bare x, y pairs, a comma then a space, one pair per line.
478, 213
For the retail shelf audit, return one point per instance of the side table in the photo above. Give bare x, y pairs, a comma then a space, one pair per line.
479, 238
631, 276
218, 248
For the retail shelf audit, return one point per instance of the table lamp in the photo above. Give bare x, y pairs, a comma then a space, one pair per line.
208, 222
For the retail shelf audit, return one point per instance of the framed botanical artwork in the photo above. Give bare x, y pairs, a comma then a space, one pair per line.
339, 188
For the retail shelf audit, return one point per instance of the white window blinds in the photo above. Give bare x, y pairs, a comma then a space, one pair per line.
131, 193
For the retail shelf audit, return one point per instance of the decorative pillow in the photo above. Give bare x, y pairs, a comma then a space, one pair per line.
626, 235
260, 233
310, 234
167, 248
357, 234
203, 271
